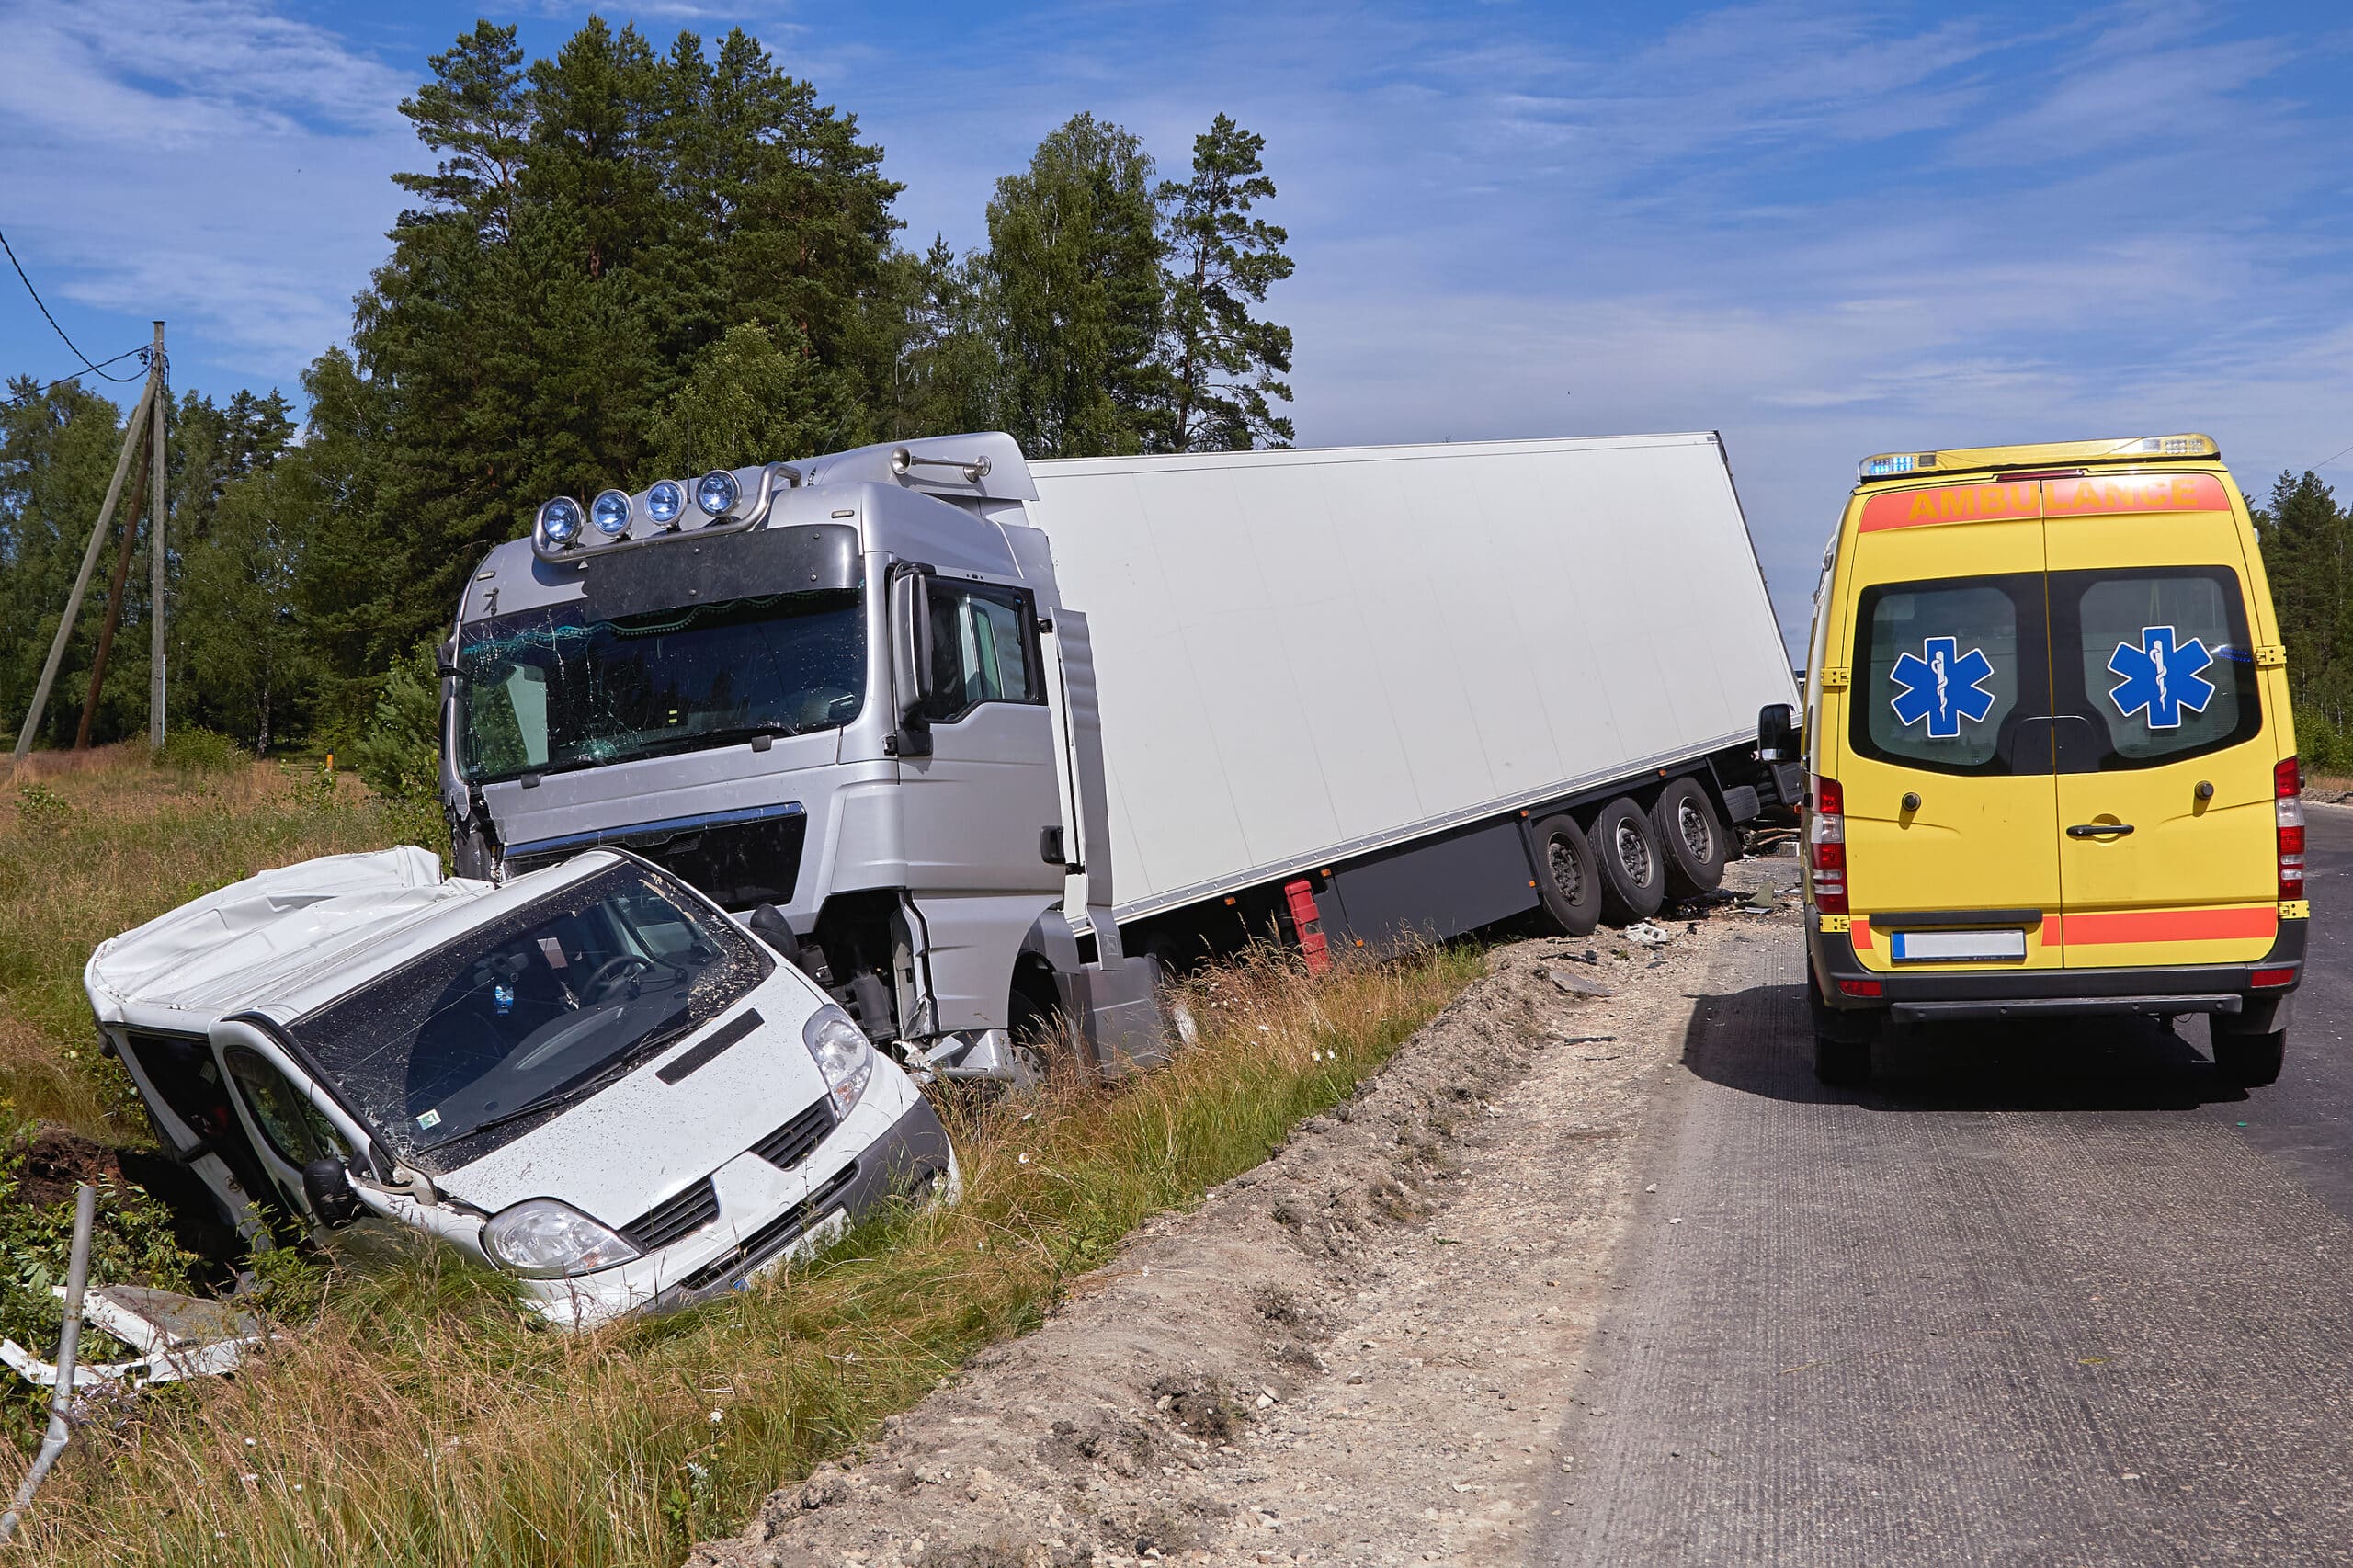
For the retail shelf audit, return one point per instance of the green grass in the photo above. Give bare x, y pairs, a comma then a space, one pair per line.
418, 1416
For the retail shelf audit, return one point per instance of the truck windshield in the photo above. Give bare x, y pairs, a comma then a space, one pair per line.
546, 689
530, 1011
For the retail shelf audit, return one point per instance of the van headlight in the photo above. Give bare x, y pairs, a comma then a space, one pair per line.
844, 1055
540, 1238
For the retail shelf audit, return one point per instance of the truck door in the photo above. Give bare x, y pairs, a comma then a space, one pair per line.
974, 810
2165, 769
1951, 810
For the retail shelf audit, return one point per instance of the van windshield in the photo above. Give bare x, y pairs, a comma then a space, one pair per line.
530, 1011
546, 689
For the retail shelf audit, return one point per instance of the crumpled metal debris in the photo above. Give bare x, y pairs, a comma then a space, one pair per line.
177, 1336
1643, 934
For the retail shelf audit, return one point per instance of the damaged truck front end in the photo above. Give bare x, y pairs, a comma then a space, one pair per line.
588, 1078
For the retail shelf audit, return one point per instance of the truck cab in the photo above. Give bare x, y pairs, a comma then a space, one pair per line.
841, 696
2052, 768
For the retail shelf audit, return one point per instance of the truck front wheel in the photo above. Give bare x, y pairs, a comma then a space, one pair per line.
1633, 872
1568, 884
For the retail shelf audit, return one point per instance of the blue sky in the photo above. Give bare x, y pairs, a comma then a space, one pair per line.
1823, 230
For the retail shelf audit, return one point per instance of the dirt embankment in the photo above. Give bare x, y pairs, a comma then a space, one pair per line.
1363, 1351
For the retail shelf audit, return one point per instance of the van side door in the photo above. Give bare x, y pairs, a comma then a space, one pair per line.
279, 1111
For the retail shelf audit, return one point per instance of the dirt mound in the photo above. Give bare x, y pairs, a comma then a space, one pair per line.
1211, 1394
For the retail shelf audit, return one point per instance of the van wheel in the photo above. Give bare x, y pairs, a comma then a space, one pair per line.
2250, 1061
1693, 838
1633, 872
1843, 1063
1568, 884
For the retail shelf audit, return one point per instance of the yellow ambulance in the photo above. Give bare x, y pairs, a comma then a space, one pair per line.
2050, 765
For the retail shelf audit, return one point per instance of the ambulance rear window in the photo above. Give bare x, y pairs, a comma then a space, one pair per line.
1939, 668
2158, 659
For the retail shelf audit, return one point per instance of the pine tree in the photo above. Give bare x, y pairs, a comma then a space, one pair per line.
1221, 262
1074, 264
749, 400
2308, 555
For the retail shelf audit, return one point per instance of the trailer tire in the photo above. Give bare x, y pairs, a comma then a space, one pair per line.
1568, 882
1633, 871
1692, 836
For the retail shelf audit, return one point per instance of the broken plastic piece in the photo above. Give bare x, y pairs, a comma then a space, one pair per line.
177, 1336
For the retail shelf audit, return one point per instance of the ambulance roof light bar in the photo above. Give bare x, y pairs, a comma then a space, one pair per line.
2044, 454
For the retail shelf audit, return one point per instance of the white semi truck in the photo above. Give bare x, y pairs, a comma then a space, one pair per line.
978, 742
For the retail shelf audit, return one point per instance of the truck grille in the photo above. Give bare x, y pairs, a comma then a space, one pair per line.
739, 857
674, 1217
789, 1144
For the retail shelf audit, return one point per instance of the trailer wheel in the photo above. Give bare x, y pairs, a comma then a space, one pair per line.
1568, 884
1633, 871
1693, 838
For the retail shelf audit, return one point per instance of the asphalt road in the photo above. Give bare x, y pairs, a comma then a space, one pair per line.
2057, 1299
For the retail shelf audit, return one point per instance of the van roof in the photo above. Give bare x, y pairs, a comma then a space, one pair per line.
1882, 466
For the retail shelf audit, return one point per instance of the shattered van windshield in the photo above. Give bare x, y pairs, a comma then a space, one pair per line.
544, 690
530, 1011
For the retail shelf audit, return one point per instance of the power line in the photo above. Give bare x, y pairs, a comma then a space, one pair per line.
140, 353
2311, 467
28, 282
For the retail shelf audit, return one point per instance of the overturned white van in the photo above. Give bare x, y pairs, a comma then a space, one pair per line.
589, 1077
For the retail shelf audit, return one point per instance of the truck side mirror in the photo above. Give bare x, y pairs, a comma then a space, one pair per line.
911, 655
326, 1187
1777, 733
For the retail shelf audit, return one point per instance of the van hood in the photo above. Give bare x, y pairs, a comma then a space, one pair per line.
623, 1151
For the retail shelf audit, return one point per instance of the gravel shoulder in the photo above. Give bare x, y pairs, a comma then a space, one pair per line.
1363, 1351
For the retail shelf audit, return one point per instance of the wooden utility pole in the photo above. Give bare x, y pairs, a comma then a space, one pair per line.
150, 413
114, 603
155, 519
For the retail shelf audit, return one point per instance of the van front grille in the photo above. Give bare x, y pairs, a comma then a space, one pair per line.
789, 1144
775, 1236
674, 1217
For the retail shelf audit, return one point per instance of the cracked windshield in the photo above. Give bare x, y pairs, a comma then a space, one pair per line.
530, 1010
546, 689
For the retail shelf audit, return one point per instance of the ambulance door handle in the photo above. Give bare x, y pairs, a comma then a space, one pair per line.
2099, 830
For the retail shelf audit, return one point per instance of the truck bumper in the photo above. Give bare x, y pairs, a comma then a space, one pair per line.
2227, 992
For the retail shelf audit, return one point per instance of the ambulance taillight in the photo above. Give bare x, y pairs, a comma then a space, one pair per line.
1825, 845
2288, 784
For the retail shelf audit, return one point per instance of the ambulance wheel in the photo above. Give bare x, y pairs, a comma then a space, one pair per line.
1694, 840
1633, 871
2250, 1061
1842, 1064
1568, 884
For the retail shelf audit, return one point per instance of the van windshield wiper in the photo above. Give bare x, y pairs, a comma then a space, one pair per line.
604, 1077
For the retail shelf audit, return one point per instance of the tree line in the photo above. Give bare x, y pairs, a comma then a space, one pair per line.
627, 264
2308, 555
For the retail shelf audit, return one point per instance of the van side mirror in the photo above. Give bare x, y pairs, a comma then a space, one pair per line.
326, 1187
911, 655
1777, 733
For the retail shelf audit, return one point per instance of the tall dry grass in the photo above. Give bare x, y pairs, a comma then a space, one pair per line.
93, 843
420, 1420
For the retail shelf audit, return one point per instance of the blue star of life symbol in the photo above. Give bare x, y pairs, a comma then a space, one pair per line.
2162, 677
1943, 686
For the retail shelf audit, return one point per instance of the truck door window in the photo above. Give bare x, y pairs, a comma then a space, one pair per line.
1951, 675
295, 1129
2156, 662
983, 649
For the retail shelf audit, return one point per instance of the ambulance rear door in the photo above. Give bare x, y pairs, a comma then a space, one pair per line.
1951, 808
2164, 764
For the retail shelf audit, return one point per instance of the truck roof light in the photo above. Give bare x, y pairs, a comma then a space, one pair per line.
560, 521
2043, 454
716, 493
610, 512
666, 501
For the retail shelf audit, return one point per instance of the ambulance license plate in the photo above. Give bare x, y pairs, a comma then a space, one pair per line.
1955, 946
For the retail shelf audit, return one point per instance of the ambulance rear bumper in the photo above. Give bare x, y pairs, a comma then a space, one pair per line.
2227, 991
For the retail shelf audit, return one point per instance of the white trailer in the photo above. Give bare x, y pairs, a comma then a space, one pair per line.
1345, 658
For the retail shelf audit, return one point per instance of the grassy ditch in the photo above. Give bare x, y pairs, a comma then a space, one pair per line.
94, 842
409, 1411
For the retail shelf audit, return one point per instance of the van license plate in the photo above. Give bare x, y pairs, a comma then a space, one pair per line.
1955, 946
